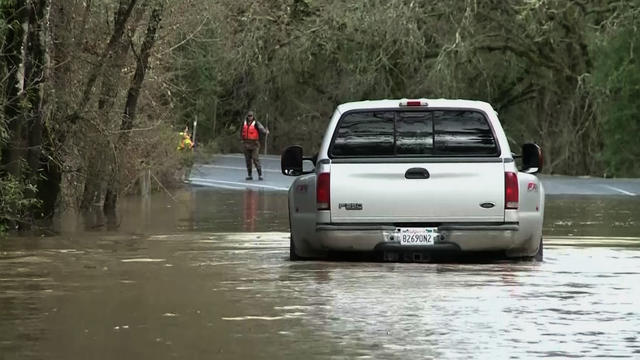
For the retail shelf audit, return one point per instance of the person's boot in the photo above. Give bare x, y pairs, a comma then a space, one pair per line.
249, 177
260, 175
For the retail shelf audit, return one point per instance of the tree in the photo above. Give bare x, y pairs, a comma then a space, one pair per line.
24, 55
531, 59
59, 130
617, 76
128, 118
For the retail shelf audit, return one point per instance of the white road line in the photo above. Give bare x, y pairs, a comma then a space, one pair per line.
618, 190
242, 184
235, 168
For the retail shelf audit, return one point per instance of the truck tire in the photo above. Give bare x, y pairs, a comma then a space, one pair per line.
292, 251
292, 245
539, 255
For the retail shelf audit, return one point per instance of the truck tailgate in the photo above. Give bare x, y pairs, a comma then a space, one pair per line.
448, 192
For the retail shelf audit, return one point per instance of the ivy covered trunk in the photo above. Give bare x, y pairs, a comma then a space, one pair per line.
25, 58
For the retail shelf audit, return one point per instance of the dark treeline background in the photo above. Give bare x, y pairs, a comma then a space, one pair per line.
94, 91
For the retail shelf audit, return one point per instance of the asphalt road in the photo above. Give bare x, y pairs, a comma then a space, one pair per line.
229, 172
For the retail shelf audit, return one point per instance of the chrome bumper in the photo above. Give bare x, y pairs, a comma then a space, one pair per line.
462, 237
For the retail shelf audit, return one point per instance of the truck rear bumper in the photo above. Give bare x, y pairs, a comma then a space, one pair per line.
453, 237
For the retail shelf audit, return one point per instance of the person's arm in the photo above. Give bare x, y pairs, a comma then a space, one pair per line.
261, 128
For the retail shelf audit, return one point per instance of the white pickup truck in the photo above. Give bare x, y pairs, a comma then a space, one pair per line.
409, 179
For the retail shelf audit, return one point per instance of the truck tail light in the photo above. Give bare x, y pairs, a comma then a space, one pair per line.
405, 102
323, 198
511, 190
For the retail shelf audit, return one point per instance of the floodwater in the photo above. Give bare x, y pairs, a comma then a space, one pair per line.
204, 274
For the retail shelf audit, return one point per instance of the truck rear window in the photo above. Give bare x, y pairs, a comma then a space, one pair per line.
414, 133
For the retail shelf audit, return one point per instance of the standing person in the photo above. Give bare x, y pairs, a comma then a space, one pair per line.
251, 133
185, 140
185, 147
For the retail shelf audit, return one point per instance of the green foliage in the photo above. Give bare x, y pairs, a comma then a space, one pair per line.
292, 61
15, 205
617, 74
17, 202
293, 64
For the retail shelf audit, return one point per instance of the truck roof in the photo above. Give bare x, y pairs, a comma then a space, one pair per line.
436, 103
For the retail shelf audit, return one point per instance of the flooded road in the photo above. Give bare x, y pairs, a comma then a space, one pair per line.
208, 276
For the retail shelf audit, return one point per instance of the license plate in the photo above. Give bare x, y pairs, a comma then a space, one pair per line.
416, 236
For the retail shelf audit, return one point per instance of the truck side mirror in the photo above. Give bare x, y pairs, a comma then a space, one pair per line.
291, 161
531, 158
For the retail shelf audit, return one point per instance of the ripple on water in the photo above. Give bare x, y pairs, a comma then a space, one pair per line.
265, 318
142, 260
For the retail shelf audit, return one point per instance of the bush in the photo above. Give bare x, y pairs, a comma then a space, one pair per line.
204, 152
15, 204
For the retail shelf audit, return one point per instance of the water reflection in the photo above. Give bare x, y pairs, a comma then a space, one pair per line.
189, 209
592, 216
95, 219
250, 210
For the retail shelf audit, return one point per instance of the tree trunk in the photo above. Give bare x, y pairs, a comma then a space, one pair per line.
133, 94
35, 78
94, 167
25, 57
112, 50
124, 11
141, 67
46, 175
57, 37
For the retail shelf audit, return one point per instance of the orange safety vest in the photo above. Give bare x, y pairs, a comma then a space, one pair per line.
249, 131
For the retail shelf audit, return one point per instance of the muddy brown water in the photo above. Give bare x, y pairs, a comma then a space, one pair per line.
207, 276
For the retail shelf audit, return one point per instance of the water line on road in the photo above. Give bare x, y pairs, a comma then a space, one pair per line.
618, 190
213, 182
608, 241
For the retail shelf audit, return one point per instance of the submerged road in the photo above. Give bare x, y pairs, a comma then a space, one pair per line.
229, 172
235, 296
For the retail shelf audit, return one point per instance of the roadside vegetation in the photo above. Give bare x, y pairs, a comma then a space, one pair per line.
95, 92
